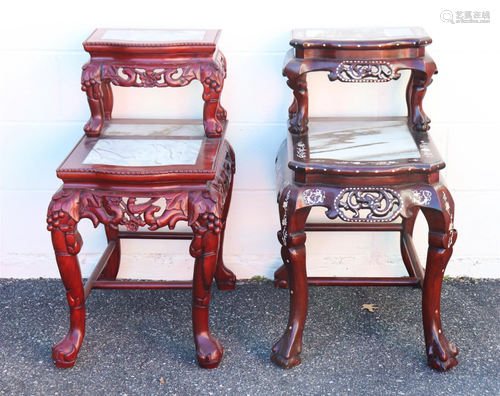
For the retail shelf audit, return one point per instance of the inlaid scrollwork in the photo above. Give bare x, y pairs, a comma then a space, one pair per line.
368, 204
284, 220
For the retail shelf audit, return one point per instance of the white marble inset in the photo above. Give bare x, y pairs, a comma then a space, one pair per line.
131, 129
360, 34
157, 36
132, 152
361, 140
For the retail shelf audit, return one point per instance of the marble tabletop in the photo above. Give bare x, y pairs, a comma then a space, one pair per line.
360, 34
148, 36
152, 129
144, 152
361, 140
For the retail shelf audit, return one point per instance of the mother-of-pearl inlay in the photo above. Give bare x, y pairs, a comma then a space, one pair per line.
360, 34
135, 152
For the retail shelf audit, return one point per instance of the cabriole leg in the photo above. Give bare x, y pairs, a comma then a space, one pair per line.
299, 110
67, 243
111, 269
420, 80
225, 278
408, 225
441, 354
287, 350
205, 248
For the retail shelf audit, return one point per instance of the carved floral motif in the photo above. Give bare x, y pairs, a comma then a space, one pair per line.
382, 204
151, 76
114, 211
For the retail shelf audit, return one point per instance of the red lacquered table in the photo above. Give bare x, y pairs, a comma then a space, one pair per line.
136, 176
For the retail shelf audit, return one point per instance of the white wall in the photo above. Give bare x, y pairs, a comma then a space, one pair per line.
43, 112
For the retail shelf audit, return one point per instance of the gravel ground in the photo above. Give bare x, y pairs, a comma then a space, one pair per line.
139, 342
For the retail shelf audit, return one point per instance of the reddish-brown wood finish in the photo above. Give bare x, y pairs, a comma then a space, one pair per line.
199, 194
405, 187
161, 64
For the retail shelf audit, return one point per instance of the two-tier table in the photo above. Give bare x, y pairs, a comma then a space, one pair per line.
136, 176
374, 174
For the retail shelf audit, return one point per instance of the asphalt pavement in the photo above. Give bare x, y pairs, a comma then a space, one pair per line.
139, 342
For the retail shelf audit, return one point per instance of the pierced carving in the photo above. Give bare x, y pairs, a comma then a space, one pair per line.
314, 196
113, 211
368, 204
421, 197
366, 71
153, 73
151, 76
222, 181
301, 150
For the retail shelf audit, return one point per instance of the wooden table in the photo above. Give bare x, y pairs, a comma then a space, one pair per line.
375, 174
136, 176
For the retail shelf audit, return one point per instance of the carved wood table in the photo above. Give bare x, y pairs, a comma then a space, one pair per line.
374, 174
129, 174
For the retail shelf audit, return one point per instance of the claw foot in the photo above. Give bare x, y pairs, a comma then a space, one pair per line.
285, 363
283, 351
296, 128
225, 278
228, 283
93, 127
421, 122
441, 354
213, 128
221, 114
280, 283
209, 352
65, 351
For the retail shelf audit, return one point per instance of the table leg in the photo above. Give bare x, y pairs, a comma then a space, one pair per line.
441, 354
299, 110
225, 278
107, 99
205, 248
67, 243
408, 225
287, 350
113, 266
214, 114
91, 84
420, 80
